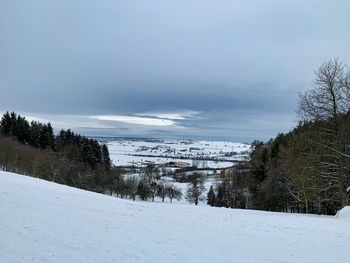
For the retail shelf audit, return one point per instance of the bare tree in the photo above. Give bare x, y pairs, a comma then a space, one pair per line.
330, 95
131, 184
150, 178
195, 189
162, 189
326, 104
173, 192
153, 189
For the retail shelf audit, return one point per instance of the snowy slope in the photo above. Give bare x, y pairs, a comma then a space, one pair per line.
344, 213
46, 222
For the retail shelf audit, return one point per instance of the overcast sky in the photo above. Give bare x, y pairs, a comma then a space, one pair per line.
183, 68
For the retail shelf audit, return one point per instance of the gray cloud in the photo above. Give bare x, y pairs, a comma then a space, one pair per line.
240, 64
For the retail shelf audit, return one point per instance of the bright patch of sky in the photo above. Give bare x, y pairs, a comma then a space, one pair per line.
135, 120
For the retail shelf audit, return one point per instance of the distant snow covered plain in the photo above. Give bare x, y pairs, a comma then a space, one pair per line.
140, 152
136, 152
42, 221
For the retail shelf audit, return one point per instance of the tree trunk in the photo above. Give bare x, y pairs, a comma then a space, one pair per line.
306, 206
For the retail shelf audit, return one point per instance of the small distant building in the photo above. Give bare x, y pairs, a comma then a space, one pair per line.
182, 164
175, 164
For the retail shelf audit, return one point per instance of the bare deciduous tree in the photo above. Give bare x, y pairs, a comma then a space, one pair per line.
162, 189
326, 104
195, 189
330, 95
173, 192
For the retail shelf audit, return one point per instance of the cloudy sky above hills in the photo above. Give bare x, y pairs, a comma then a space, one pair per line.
217, 69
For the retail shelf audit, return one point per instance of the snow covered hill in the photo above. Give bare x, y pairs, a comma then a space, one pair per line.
45, 222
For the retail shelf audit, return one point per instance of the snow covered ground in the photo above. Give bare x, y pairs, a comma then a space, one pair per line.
344, 213
138, 151
46, 222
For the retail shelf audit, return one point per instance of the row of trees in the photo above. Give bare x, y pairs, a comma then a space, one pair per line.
35, 134
68, 158
308, 169
53, 166
41, 135
56, 166
147, 186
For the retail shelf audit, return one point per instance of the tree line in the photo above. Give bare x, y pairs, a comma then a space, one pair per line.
146, 186
149, 184
68, 158
41, 135
308, 169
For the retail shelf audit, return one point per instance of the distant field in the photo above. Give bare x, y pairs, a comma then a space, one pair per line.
211, 154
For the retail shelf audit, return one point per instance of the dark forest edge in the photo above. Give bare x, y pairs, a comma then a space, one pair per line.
67, 158
308, 169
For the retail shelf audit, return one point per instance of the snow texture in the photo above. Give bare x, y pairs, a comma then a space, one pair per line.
344, 213
46, 222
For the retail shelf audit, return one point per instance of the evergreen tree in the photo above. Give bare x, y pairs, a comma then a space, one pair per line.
106, 160
50, 137
35, 131
87, 152
13, 124
5, 124
211, 196
221, 197
43, 138
23, 130
96, 150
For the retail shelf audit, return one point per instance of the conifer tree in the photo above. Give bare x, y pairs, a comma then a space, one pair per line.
43, 140
211, 196
35, 131
106, 160
13, 124
96, 149
6, 124
23, 130
50, 137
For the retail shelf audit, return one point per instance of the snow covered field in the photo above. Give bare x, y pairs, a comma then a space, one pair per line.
46, 222
138, 151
